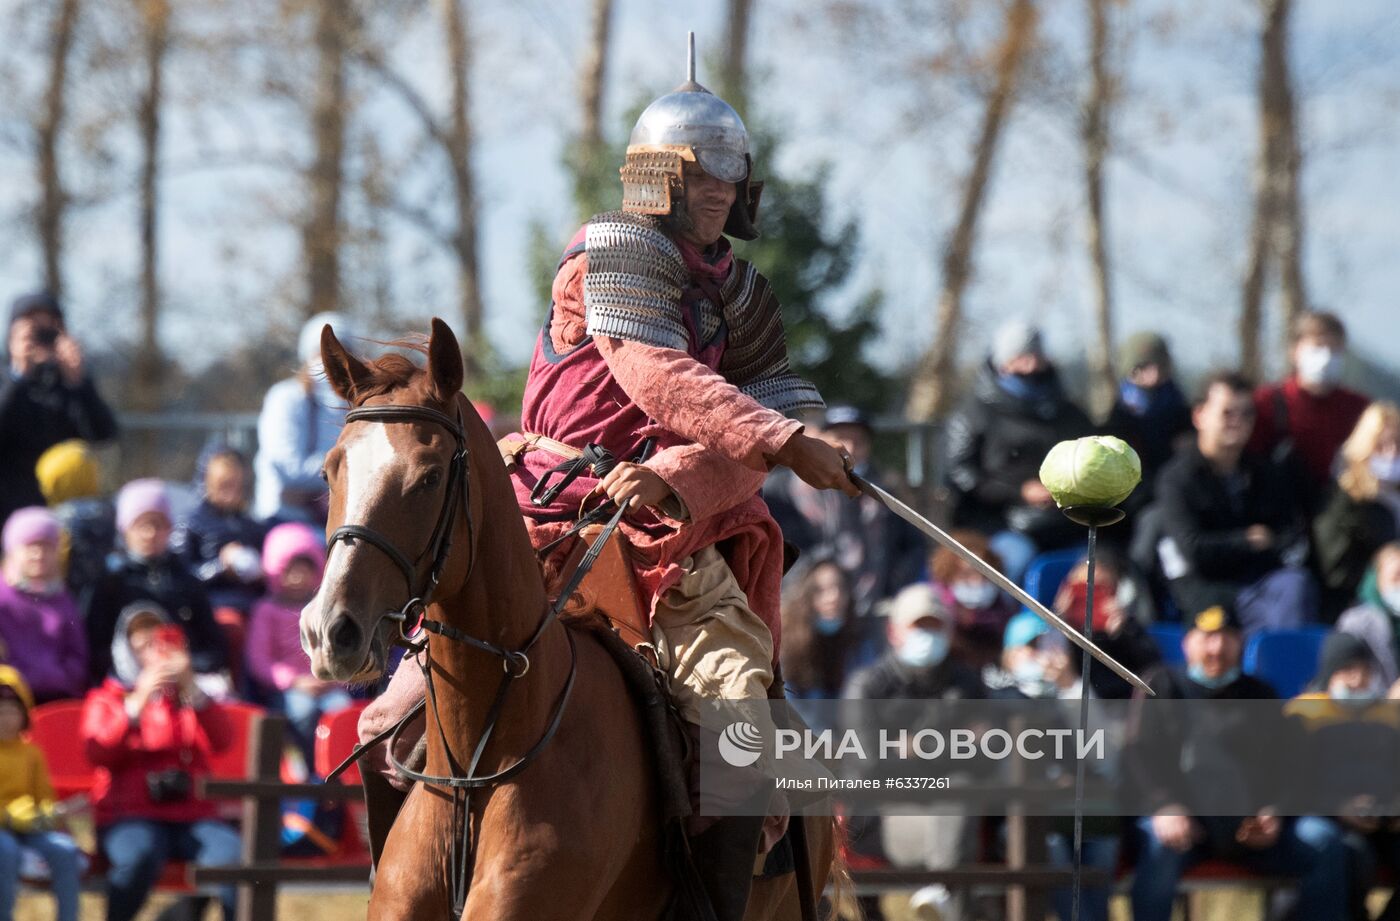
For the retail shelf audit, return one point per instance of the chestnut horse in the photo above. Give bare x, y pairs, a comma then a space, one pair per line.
575, 834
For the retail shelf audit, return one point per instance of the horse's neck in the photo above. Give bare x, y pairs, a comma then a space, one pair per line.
501, 603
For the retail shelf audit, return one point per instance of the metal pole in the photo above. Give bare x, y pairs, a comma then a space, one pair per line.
1083, 726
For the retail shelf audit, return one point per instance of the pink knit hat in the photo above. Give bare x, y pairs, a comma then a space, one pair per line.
28, 526
139, 497
287, 542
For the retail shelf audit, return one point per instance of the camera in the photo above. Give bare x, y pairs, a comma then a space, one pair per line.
47, 336
169, 786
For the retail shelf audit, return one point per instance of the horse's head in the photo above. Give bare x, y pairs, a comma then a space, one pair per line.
391, 480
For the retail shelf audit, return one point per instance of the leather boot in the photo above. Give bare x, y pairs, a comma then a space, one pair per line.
724, 856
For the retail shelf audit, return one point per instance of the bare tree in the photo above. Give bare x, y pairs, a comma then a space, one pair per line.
1094, 134
53, 199
321, 233
451, 135
1276, 230
155, 22
930, 393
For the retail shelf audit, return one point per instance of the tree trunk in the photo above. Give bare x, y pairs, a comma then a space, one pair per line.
322, 233
1287, 236
464, 241
1095, 138
931, 391
595, 184
733, 83
53, 201
594, 76
149, 369
1276, 232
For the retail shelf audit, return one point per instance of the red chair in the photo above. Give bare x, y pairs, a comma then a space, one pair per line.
232, 762
56, 728
336, 737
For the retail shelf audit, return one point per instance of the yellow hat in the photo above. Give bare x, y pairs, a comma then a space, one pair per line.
14, 687
67, 471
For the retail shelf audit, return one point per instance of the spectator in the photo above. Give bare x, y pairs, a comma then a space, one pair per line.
153, 731
1120, 609
881, 552
1175, 836
980, 610
1363, 510
221, 544
300, 421
1309, 414
1374, 619
1151, 413
1040, 665
919, 666
1353, 743
219, 540
68, 477
145, 570
1234, 524
294, 558
46, 398
39, 629
996, 442
27, 809
824, 643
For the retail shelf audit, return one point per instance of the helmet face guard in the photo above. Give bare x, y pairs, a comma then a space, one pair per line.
689, 124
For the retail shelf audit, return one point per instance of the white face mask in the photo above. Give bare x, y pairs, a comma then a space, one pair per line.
922, 648
1318, 364
976, 595
1386, 469
1391, 597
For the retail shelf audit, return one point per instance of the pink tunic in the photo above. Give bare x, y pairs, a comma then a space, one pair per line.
713, 443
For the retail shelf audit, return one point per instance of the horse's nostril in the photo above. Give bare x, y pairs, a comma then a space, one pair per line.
344, 635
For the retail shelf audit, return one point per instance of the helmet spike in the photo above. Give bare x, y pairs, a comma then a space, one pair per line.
690, 57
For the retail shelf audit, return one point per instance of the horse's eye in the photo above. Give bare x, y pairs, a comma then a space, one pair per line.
433, 478
325, 477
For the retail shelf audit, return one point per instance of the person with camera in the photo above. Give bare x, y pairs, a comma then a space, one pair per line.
46, 397
153, 731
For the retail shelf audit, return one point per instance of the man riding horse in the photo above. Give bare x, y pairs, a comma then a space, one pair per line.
665, 350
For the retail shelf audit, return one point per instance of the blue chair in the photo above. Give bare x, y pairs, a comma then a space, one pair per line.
1168, 638
1047, 571
1287, 659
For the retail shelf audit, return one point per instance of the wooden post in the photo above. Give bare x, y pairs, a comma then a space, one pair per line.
262, 819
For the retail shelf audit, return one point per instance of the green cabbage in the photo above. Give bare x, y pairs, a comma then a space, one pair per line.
1096, 470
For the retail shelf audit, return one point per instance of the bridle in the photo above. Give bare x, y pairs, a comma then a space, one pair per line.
414, 623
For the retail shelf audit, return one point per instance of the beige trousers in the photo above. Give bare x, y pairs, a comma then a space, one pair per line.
708, 639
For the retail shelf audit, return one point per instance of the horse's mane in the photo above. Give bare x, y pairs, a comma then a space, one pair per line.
393, 370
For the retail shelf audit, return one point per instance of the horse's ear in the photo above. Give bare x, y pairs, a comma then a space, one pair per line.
346, 373
445, 370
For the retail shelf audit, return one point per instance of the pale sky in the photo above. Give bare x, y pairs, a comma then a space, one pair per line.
1178, 185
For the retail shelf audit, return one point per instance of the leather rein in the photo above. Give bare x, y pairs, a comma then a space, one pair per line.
414, 624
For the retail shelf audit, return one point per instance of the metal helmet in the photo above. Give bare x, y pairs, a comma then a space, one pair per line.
689, 124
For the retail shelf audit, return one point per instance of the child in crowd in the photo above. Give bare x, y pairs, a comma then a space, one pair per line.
69, 478
145, 570
220, 540
222, 544
39, 629
294, 558
27, 807
153, 732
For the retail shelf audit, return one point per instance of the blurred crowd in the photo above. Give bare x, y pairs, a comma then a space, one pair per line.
1262, 510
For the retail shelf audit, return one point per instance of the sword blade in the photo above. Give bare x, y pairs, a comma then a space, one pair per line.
1001, 581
